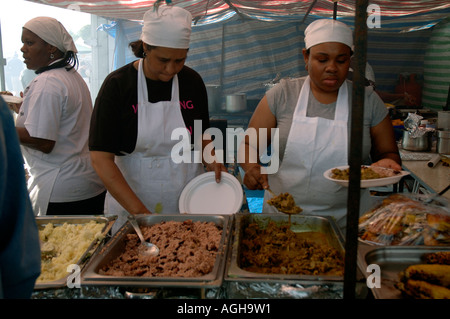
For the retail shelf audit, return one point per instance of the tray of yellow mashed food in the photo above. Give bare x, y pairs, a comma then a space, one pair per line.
67, 243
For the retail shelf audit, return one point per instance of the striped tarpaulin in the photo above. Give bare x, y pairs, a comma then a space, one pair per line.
245, 56
243, 45
437, 67
396, 14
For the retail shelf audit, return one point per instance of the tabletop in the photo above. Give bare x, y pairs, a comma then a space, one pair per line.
434, 179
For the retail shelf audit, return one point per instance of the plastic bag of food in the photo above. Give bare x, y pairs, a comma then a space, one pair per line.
403, 219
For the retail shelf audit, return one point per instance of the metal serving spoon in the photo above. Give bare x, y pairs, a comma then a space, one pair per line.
145, 248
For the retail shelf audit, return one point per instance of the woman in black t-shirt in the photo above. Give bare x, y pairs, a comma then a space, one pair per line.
114, 121
138, 109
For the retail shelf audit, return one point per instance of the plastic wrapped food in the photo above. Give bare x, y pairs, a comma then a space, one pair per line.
406, 220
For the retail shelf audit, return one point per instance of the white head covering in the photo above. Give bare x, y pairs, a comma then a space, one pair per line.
328, 30
53, 32
167, 26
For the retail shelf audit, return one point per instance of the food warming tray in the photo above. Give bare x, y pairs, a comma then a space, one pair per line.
116, 245
42, 221
392, 260
299, 223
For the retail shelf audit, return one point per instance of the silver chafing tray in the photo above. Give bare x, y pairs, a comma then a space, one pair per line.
42, 221
392, 260
299, 223
116, 245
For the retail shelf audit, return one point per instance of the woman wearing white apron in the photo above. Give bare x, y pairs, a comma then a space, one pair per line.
149, 170
312, 116
138, 171
53, 125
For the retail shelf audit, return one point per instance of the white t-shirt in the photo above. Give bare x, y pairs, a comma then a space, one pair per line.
283, 97
57, 106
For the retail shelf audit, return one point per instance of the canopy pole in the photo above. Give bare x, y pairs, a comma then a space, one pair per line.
228, 2
308, 11
355, 152
2, 63
335, 9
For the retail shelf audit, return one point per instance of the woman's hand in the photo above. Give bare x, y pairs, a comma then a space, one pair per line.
255, 178
388, 163
218, 168
115, 183
384, 147
40, 144
15, 107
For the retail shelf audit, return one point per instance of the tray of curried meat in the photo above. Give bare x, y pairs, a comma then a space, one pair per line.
308, 249
192, 251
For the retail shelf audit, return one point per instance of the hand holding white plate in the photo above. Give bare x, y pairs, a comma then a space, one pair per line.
203, 195
365, 183
12, 99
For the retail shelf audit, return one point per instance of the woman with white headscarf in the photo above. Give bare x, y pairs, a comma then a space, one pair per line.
312, 117
53, 124
138, 108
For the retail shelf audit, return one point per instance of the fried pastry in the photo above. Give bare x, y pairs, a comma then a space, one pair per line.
440, 257
420, 289
432, 273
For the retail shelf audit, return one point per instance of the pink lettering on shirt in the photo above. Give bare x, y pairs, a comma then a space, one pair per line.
134, 108
186, 105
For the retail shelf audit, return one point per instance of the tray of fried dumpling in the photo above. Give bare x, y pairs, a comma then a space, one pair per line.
420, 272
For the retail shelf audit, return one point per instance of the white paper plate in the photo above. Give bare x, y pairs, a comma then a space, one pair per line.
203, 195
366, 183
12, 99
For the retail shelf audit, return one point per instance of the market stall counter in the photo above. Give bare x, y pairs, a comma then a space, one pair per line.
270, 256
228, 279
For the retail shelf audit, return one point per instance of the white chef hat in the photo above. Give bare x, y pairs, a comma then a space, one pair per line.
328, 30
53, 32
167, 26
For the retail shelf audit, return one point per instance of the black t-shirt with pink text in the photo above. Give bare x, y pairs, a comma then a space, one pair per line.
114, 118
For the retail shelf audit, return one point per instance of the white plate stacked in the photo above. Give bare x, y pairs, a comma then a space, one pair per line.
203, 195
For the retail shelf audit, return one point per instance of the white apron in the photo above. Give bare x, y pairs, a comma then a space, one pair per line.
43, 176
40, 183
314, 145
149, 170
